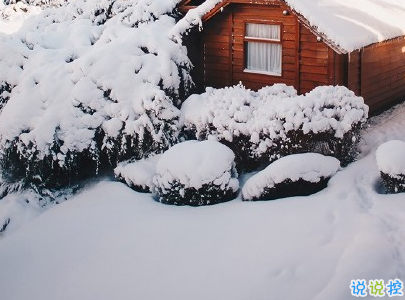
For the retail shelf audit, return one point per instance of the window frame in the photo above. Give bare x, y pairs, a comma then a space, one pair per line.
246, 40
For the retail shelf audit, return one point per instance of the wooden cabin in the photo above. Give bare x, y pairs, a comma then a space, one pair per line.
262, 42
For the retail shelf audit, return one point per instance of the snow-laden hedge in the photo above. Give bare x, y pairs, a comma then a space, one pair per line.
294, 175
262, 126
87, 85
390, 158
139, 174
196, 173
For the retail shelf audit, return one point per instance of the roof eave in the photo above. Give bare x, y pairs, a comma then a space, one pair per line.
221, 5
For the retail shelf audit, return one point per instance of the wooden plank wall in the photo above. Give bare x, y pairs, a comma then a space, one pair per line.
316, 62
306, 62
217, 55
269, 13
354, 72
383, 73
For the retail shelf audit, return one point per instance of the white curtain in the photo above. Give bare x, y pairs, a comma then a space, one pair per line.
264, 57
263, 31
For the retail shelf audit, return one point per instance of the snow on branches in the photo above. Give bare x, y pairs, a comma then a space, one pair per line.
273, 122
87, 85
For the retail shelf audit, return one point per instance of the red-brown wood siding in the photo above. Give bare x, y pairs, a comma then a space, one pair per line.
271, 14
383, 73
306, 62
217, 55
316, 62
354, 72
376, 72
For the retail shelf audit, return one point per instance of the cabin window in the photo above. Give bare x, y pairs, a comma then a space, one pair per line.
263, 50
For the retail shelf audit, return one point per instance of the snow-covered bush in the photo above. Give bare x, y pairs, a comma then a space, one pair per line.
94, 83
391, 163
196, 173
263, 126
138, 174
293, 175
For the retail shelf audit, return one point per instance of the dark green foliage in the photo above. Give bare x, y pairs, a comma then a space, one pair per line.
4, 226
5, 90
289, 188
392, 184
208, 194
25, 164
46, 172
295, 141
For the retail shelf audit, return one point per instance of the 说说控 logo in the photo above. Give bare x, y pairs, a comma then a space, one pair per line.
377, 288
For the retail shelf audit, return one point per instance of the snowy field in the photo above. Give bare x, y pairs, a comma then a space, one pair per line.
110, 242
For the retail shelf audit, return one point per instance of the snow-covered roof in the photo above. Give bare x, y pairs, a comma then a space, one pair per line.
348, 24
353, 24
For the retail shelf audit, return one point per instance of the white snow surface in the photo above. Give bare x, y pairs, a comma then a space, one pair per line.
311, 167
391, 157
349, 24
195, 163
354, 24
13, 16
138, 173
110, 242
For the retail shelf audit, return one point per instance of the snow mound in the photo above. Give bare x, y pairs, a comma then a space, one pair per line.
92, 78
139, 174
285, 177
196, 173
273, 122
390, 158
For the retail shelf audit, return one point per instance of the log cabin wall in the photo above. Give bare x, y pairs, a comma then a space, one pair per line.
383, 73
354, 72
272, 14
316, 62
217, 50
376, 72
306, 62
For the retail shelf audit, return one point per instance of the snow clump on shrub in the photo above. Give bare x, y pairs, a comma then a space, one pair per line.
138, 174
263, 126
87, 85
293, 175
43, 3
391, 163
196, 173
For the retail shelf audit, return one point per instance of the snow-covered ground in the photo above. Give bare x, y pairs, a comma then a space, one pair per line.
110, 242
